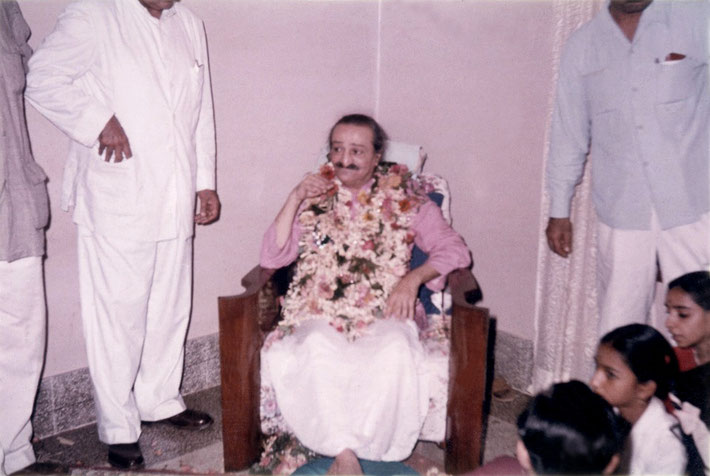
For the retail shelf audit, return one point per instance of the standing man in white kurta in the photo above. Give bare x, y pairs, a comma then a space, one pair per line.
633, 89
128, 81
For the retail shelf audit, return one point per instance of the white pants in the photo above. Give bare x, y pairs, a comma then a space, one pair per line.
22, 344
626, 267
135, 306
370, 395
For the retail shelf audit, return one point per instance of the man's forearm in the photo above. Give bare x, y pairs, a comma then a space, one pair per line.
284, 220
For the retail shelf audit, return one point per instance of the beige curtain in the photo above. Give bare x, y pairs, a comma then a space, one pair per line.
566, 311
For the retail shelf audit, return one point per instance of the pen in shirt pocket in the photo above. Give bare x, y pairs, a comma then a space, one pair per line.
671, 58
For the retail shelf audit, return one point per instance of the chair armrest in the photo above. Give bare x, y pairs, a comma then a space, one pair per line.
243, 320
468, 368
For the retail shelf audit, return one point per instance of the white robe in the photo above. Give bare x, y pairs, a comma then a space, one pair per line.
370, 395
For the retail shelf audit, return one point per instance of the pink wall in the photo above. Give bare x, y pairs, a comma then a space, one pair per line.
470, 81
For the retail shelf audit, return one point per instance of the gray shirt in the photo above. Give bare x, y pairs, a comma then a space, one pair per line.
641, 111
24, 206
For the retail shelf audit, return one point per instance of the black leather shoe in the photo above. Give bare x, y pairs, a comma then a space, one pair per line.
125, 456
44, 467
190, 420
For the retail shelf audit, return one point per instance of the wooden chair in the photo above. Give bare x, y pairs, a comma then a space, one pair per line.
246, 318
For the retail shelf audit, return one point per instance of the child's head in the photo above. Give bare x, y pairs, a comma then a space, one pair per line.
688, 306
633, 363
568, 429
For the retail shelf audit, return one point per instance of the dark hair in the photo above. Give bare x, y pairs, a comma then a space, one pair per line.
569, 429
647, 353
379, 136
697, 285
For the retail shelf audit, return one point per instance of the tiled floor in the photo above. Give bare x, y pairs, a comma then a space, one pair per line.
170, 451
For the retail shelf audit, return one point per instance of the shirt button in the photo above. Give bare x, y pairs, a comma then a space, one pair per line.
639, 128
634, 88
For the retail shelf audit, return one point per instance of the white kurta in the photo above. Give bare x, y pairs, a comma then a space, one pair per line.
111, 57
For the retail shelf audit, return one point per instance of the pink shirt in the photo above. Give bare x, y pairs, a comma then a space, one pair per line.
432, 234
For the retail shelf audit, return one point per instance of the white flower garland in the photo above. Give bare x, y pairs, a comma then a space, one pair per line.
351, 257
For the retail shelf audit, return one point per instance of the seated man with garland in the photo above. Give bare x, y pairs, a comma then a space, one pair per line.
346, 366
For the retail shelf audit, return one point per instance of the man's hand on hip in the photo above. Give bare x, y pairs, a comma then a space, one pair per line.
114, 141
209, 207
559, 236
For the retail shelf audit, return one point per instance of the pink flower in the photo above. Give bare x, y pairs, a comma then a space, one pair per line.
324, 290
405, 205
326, 170
368, 245
399, 169
269, 405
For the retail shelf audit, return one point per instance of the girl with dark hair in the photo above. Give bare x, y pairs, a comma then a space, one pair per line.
565, 429
568, 429
688, 321
635, 366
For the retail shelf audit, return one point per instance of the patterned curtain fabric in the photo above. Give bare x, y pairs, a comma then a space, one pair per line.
566, 311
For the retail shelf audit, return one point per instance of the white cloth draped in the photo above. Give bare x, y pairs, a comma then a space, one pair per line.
370, 395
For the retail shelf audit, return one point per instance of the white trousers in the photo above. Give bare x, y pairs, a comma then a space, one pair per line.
135, 306
626, 267
22, 344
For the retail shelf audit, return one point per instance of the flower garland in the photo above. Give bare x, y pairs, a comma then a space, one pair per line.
353, 251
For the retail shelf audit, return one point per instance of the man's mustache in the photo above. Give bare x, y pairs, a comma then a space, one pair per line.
349, 167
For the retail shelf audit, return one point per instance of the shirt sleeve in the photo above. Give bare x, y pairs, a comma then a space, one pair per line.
569, 135
62, 59
445, 248
274, 257
205, 132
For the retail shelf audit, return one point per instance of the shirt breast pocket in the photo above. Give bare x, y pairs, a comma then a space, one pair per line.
678, 80
678, 87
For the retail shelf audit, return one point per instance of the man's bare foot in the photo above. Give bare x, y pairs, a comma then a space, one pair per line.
345, 463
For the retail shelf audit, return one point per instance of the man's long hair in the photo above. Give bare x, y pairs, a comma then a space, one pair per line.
379, 136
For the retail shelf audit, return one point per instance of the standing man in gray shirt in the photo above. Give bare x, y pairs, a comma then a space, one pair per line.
24, 213
633, 90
